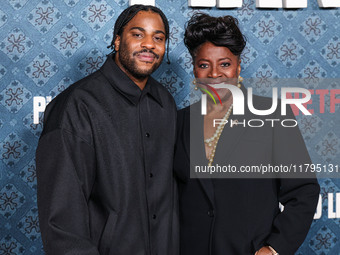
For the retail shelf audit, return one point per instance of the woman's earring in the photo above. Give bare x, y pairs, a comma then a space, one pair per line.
195, 83
240, 79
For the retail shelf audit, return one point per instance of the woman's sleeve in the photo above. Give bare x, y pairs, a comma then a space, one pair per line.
299, 196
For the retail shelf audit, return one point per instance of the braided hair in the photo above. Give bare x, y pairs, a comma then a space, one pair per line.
128, 14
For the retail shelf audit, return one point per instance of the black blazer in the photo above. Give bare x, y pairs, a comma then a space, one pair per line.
238, 216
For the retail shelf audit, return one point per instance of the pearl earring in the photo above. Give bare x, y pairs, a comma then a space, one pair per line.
195, 83
239, 80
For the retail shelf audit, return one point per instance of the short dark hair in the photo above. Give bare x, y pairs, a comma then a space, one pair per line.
128, 15
221, 31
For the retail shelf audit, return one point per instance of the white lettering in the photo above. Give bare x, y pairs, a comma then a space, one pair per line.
256, 120
204, 104
318, 212
202, 3
239, 3
39, 105
292, 120
240, 123
269, 4
220, 122
262, 112
229, 3
331, 213
297, 101
294, 3
216, 169
238, 97
329, 3
272, 121
144, 2
233, 122
238, 100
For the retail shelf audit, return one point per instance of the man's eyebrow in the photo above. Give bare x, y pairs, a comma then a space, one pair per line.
159, 32
143, 30
138, 28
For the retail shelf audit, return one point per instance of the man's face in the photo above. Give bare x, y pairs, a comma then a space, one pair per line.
141, 46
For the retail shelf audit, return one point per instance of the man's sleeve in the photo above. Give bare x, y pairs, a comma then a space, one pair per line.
298, 195
65, 173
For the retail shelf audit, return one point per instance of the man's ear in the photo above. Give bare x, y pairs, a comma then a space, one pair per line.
117, 43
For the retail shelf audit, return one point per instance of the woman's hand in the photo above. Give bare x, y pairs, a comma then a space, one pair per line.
264, 251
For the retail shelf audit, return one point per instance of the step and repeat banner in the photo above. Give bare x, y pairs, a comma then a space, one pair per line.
47, 45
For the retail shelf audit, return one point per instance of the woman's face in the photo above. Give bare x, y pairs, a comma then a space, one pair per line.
216, 63
213, 61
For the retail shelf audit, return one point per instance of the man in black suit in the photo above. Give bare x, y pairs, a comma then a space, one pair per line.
104, 160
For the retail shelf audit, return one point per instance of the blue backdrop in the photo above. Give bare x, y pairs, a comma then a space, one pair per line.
47, 45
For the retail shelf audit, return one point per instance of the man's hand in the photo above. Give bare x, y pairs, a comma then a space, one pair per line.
264, 251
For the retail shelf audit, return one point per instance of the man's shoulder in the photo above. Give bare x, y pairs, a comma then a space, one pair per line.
71, 104
88, 83
163, 92
79, 89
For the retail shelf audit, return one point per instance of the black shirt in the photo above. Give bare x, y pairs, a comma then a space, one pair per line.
104, 168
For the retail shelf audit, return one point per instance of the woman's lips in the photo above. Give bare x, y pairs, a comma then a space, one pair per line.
213, 85
217, 86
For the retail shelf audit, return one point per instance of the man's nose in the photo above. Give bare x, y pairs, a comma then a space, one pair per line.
148, 42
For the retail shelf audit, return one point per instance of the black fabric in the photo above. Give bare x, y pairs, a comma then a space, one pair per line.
104, 168
239, 216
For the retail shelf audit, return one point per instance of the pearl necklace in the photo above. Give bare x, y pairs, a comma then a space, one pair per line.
214, 139
220, 127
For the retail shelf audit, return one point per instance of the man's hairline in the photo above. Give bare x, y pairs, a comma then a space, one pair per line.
149, 10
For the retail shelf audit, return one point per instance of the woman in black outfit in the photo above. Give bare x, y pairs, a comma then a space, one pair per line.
232, 216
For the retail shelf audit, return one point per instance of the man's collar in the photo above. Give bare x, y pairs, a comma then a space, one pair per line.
121, 82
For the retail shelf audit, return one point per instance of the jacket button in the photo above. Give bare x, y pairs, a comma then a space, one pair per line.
151, 175
211, 213
154, 216
147, 134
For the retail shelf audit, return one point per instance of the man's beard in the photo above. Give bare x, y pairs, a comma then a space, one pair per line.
130, 63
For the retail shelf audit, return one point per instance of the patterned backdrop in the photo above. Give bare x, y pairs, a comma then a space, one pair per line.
47, 45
